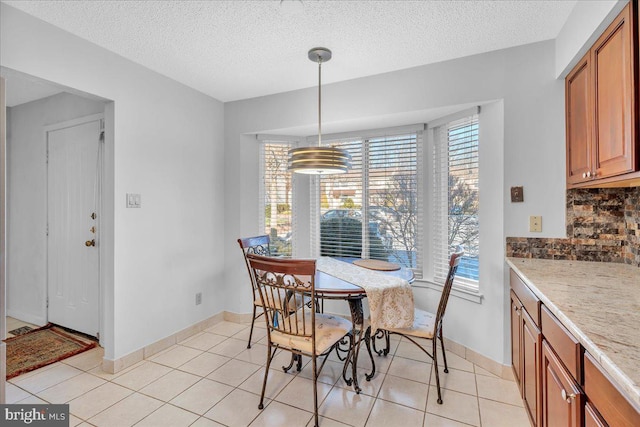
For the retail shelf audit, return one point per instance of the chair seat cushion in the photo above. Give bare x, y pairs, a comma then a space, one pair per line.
423, 325
329, 330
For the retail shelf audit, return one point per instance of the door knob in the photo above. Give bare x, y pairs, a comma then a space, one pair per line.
91, 242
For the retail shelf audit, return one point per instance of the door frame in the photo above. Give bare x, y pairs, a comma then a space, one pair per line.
100, 209
3, 239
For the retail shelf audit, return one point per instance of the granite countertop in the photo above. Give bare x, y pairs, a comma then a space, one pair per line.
599, 303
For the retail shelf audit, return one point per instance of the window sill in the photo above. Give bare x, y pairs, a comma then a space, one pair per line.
466, 294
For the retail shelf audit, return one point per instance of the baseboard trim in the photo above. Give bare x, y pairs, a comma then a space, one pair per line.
490, 365
26, 317
117, 365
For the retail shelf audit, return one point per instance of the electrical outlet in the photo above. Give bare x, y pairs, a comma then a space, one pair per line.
535, 224
199, 298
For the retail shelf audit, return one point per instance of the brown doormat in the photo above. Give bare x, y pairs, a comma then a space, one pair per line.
41, 347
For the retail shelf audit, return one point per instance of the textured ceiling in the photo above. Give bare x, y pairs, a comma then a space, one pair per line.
234, 50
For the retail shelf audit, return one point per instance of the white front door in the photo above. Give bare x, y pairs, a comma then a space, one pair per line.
74, 168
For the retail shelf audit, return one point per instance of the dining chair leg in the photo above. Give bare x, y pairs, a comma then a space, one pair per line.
253, 320
444, 355
315, 390
435, 367
270, 356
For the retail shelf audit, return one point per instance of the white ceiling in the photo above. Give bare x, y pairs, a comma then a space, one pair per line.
234, 50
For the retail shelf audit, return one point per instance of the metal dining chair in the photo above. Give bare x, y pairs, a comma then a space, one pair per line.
258, 245
303, 332
426, 325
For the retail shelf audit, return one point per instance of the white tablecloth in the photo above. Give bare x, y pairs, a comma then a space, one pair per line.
390, 297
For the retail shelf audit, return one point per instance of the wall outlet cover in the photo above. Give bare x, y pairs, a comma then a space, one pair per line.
535, 224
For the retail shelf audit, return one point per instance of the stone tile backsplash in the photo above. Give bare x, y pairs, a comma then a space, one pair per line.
602, 225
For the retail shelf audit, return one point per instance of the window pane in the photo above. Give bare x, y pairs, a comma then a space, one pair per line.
463, 195
392, 207
372, 211
341, 207
277, 197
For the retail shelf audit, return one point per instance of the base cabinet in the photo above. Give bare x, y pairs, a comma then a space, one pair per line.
592, 418
531, 339
561, 384
562, 397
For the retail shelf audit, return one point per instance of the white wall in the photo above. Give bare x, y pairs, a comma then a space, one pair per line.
522, 143
587, 21
27, 198
164, 140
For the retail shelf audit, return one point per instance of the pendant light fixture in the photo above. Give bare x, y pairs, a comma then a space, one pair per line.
319, 160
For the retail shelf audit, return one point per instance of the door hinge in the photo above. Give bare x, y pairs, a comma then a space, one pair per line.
47, 302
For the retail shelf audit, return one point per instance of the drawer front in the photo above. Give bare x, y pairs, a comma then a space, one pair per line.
564, 344
606, 398
530, 302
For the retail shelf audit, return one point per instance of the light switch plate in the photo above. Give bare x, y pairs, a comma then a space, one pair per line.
134, 200
535, 224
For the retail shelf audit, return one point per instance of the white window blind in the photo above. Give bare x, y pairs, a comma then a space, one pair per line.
373, 211
276, 210
456, 201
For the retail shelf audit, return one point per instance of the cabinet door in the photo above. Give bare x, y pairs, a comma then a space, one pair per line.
578, 112
530, 357
561, 396
592, 418
516, 322
612, 65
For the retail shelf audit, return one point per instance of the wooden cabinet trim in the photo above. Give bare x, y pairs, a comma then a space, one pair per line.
578, 123
565, 345
592, 417
603, 144
528, 299
516, 337
530, 367
614, 156
605, 396
561, 397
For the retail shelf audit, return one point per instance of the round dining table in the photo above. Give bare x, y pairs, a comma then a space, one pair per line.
328, 287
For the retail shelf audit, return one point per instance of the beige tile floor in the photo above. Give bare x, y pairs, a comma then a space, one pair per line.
212, 379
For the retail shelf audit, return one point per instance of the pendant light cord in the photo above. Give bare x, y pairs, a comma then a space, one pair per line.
319, 101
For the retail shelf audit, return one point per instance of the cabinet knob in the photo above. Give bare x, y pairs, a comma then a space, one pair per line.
594, 174
584, 174
589, 174
567, 397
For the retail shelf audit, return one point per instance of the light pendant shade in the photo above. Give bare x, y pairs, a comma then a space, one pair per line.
319, 160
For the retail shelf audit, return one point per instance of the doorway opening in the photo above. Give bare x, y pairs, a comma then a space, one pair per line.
55, 174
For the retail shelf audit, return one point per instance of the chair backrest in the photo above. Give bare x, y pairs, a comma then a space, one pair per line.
281, 281
454, 261
254, 245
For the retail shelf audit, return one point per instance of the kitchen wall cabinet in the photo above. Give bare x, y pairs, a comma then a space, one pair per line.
601, 111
